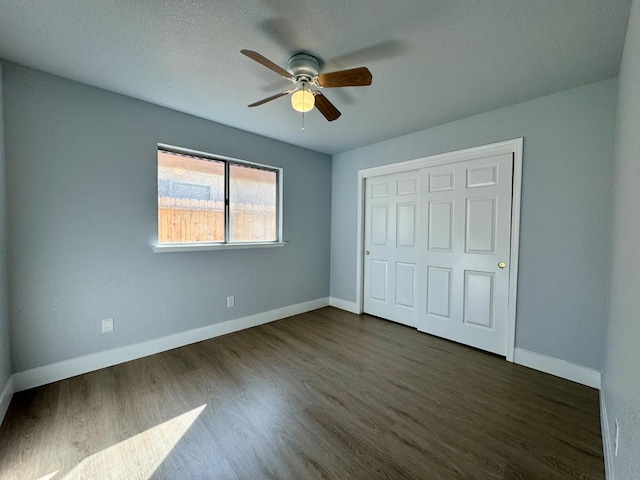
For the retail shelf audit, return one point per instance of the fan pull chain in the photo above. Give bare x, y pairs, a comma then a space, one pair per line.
302, 122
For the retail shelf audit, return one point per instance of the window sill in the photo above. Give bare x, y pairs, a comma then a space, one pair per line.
194, 247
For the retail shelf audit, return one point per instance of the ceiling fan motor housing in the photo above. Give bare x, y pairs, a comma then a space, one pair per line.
303, 65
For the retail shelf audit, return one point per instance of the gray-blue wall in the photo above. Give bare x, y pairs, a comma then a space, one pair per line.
565, 215
81, 179
621, 373
5, 354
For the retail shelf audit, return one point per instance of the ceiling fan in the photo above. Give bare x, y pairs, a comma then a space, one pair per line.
304, 71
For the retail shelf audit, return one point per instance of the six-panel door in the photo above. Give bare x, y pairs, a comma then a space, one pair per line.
390, 247
435, 250
465, 236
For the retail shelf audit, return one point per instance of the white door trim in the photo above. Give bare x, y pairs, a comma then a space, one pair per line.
509, 146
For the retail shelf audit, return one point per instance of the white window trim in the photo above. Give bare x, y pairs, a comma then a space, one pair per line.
193, 247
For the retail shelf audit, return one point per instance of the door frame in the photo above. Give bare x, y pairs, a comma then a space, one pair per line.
514, 147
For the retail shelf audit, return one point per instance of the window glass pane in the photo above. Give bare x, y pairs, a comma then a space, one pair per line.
190, 199
252, 204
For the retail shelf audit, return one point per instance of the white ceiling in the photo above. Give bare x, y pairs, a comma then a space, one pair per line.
433, 61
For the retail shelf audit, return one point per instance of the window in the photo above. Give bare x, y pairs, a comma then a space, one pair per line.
205, 199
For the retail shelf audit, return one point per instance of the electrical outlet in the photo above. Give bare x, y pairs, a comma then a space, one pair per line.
616, 440
107, 325
231, 301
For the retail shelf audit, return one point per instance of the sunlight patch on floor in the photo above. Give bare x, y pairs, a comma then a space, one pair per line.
49, 476
136, 457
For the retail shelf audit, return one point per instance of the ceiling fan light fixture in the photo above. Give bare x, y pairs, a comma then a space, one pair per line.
303, 100
304, 71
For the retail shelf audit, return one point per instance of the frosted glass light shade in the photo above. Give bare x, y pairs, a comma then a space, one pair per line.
302, 100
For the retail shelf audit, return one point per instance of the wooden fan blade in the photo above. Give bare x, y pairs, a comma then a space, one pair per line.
267, 63
354, 77
265, 100
326, 108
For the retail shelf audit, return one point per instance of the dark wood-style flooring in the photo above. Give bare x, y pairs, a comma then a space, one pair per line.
325, 394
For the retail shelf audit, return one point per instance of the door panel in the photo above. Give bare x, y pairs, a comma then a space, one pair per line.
478, 298
407, 186
405, 284
379, 225
480, 225
406, 229
440, 182
465, 233
379, 190
379, 280
391, 238
482, 176
440, 226
439, 292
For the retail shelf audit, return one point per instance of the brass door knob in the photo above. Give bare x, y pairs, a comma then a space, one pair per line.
367, 252
502, 265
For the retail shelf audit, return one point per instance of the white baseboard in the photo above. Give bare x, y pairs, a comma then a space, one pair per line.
344, 305
5, 398
607, 445
95, 361
559, 368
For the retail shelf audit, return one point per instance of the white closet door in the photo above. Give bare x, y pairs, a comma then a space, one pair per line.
465, 228
390, 262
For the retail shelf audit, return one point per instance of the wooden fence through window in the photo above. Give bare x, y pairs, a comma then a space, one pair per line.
183, 220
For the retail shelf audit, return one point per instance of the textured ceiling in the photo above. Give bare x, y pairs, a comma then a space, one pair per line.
433, 61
